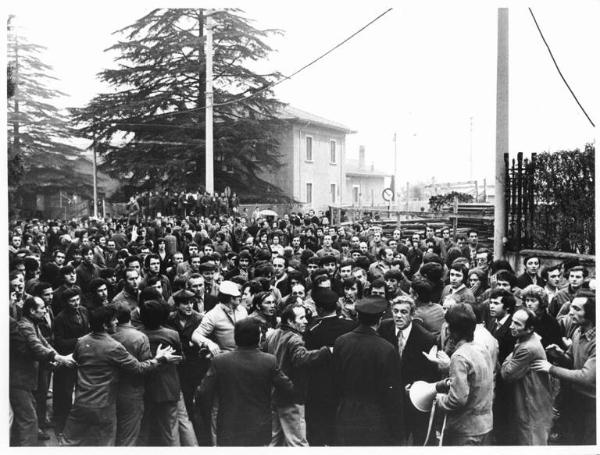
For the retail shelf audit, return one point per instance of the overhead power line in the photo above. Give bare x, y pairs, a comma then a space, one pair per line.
558, 69
284, 78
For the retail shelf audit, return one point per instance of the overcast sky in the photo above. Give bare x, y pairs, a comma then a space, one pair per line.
423, 71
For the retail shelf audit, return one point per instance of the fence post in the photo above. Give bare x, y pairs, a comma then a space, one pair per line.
519, 198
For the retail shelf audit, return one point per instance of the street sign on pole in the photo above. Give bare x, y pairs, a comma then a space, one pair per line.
387, 194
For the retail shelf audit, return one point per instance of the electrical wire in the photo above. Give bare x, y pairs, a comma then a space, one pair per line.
558, 69
284, 78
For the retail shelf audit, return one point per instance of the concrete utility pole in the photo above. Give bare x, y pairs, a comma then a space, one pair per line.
396, 185
210, 178
501, 132
95, 177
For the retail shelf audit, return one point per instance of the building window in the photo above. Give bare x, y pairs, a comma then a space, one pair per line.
333, 193
332, 157
355, 194
309, 193
309, 154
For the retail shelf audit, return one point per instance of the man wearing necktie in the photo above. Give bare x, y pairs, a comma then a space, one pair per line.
410, 339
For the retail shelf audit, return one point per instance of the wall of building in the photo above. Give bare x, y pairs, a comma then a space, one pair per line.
370, 189
319, 171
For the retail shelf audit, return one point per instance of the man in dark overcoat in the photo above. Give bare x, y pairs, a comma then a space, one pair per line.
368, 381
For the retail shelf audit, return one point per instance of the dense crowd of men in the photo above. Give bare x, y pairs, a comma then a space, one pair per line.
221, 329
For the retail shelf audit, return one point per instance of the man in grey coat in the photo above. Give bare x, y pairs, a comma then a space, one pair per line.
470, 386
530, 409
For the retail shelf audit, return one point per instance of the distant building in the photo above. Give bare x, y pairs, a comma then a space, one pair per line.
364, 184
63, 191
313, 153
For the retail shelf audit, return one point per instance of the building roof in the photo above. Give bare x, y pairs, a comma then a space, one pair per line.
295, 114
353, 169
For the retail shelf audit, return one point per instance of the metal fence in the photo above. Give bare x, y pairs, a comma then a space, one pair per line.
550, 202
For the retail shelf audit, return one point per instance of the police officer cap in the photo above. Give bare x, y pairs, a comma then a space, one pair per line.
207, 267
372, 304
324, 297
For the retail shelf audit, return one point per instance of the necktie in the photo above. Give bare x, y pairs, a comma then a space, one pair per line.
400, 343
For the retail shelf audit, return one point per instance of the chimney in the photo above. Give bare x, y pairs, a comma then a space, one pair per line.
361, 156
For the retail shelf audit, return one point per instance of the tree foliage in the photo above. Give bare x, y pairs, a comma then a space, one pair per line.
564, 189
38, 132
438, 202
150, 129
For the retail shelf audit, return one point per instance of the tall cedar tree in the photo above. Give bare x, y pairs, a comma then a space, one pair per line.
38, 133
151, 129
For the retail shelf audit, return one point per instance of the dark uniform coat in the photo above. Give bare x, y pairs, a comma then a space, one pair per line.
241, 381
321, 402
368, 381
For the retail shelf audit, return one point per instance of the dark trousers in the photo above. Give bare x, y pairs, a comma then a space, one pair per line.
62, 395
320, 424
416, 423
580, 419
91, 426
41, 395
130, 410
25, 424
159, 424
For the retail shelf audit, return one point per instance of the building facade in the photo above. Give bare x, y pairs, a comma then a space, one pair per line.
363, 183
313, 153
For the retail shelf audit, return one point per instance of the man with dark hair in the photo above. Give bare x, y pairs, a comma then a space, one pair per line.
99, 290
28, 348
530, 415
457, 289
69, 325
469, 388
152, 269
241, 381
69, 278
577, 368
320, 398
293, 359
130, 397
86, 272
431, 314
502, 307
92, 420
410, 340
185, 320
368, 382
378, 288
559, 305
159, 425
552, 276
282, 281
396, 284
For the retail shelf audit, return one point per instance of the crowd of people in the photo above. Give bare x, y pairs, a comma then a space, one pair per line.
171, 329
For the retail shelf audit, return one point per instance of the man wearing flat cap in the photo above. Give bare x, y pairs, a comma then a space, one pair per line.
368, 382
321, 401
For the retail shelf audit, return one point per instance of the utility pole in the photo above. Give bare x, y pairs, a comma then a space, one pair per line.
501, 132
95, 176
210, 178
395, 179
